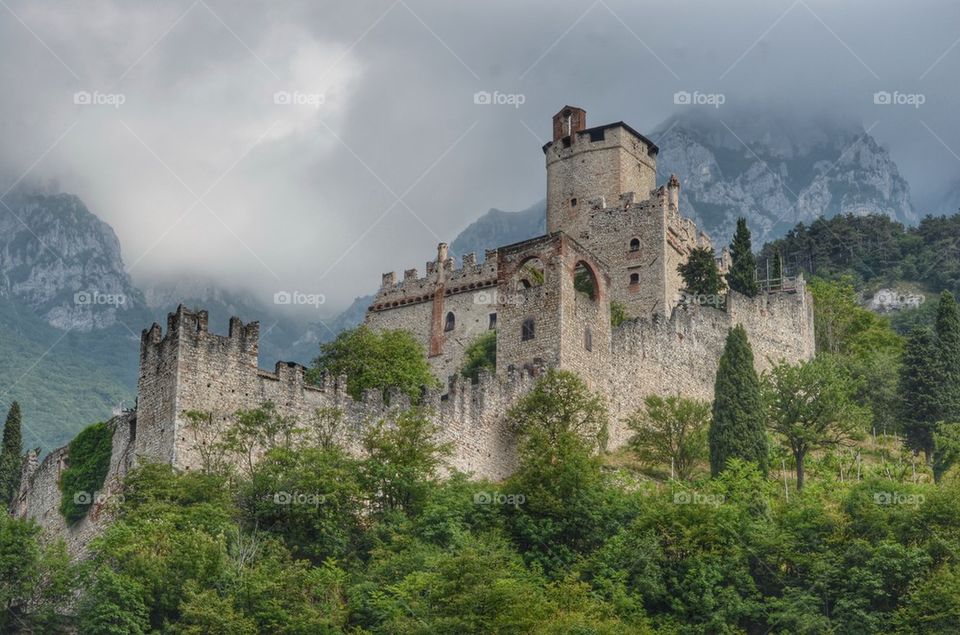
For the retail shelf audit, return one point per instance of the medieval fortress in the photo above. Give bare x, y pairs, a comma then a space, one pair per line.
614, 238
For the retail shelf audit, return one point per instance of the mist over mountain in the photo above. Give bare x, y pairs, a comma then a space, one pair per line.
777, 171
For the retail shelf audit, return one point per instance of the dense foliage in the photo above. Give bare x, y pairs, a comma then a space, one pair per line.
481, 354
700, 273
376, 360
742, 276
11, 454
315, 540
875, 250
88, 459
737, 428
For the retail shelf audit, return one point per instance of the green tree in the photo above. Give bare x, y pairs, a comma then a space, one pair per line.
566, 510
479, 355
114, 605
88, 461
737, 428
870, 347
920, 403
311, 497
403, 456
947, 367
258, 430
37, 579
560, 403
11, 456
742, 276
700, 274
946, 449
671, 430
381, 360
811, 405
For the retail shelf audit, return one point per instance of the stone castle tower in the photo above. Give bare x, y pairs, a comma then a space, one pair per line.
608, 225
613, 238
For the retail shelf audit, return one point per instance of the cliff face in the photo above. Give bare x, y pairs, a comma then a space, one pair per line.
64, 263
777, 172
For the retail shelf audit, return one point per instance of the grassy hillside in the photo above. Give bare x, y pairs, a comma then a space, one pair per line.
63, 380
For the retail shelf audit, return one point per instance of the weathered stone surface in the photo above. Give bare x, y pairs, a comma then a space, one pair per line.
621, 248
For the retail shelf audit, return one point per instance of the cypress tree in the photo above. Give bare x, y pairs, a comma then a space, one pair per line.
948, 358
919, 391
742, 276
737, 429
11, 455
700, 274
776, 273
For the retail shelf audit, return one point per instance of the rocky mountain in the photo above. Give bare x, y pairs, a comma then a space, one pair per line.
777, 171
497, 228
64, 263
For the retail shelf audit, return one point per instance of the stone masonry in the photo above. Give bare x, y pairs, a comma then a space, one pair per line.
613, 238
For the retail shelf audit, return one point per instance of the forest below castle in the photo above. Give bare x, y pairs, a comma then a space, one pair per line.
821, 497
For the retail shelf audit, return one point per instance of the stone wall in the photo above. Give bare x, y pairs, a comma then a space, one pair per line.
39, 497
680, 354
424, 306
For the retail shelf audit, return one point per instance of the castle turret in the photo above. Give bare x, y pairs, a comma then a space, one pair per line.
593, 164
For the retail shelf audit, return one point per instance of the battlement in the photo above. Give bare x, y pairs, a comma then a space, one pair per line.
184, 324
413, 289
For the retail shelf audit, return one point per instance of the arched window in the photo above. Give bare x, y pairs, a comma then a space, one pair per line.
588, 339
530, 274
527, 331
634, 278
450, 323
584, 281
635, 244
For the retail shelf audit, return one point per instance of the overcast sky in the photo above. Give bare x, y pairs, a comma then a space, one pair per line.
383, 151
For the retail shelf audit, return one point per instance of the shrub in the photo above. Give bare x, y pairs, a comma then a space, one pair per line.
88, 457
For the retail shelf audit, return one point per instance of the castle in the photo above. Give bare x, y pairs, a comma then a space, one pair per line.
614, 239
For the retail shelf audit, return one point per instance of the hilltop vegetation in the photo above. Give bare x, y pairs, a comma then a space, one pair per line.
874, 251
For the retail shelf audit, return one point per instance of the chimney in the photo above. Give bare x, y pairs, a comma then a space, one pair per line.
568, 122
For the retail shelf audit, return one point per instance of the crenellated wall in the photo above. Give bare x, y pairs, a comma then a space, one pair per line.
423, 306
